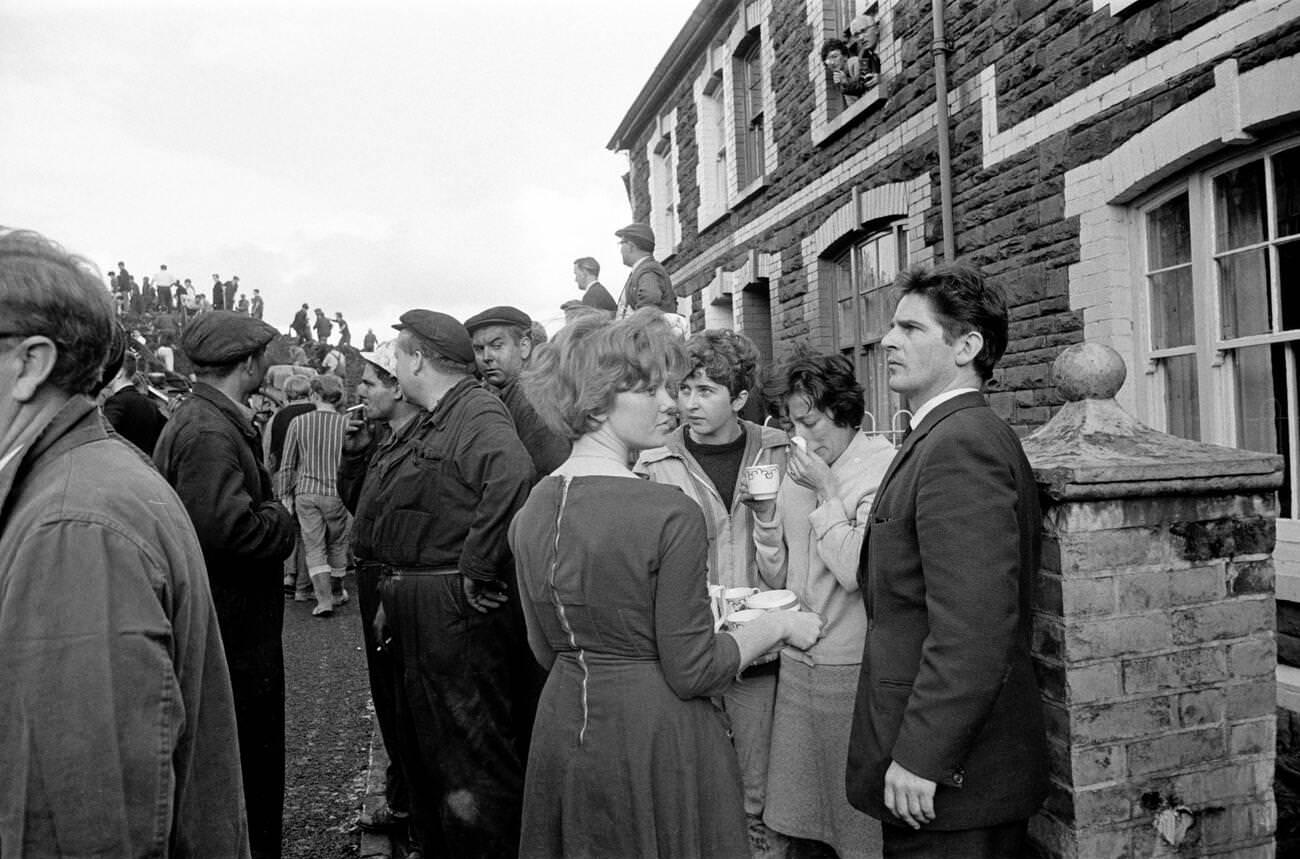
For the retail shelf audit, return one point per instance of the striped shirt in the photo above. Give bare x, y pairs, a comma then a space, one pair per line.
313, 449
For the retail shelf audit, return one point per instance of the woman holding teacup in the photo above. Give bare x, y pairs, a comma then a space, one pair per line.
628, 756
810, 536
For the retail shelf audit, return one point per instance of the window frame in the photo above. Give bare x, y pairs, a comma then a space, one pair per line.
1217, 355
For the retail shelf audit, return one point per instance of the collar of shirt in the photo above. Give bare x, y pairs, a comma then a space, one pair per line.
936, 401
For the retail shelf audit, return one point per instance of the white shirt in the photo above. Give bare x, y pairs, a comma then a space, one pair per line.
936, 401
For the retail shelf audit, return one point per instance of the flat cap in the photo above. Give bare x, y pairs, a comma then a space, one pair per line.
447, 335
384, 357
638, 234
500, 315
225, 336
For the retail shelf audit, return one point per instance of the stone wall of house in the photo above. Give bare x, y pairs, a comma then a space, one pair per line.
1009, 204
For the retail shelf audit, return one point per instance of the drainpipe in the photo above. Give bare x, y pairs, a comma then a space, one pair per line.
940, 50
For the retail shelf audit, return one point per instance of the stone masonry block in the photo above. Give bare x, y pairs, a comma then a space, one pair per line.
1251, 577
1122, 720
1143, 591
1254, 657
1256, 697
1204, 707
1252, 738
1099, 552
1098, 765
1228, 619
1223, 538
1107, 804
1087, 597
1108, 843
1178, 670
1174, 751
1090, 683
1198, 584
1118, 636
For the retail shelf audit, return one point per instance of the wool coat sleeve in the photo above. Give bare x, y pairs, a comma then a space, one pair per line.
493, 458
207, 473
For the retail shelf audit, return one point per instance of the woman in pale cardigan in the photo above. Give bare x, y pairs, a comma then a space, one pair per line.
811, 536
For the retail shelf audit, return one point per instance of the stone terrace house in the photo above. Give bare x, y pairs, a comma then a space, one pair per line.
1128, 169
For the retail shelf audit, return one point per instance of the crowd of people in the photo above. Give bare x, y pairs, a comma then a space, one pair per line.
550, 538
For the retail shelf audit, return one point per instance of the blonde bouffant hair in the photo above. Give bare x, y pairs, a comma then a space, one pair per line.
572, 380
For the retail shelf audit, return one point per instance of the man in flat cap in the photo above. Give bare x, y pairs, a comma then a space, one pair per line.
211, 453
433, 523
503, 343
648, 284
118, 726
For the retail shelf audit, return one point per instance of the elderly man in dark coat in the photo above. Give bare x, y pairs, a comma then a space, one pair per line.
210, 453
117, 727
648, 282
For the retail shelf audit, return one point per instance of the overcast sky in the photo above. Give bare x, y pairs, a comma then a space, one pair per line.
366, 158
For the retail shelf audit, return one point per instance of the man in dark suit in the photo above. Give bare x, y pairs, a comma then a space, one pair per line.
948, 749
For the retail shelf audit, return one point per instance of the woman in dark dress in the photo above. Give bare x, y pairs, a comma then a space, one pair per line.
629, 757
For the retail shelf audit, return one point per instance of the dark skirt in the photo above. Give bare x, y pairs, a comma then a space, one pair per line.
620, 766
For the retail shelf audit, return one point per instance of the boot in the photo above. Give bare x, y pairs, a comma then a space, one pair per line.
320, 583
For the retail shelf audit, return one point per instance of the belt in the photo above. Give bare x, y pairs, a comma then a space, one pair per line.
396, 570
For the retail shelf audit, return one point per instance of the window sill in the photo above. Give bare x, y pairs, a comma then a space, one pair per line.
749, 191
822, 131
707, 221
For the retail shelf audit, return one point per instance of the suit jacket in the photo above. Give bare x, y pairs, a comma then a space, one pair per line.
947, 686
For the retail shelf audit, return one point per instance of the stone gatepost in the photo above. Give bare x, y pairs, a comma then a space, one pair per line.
1153, 631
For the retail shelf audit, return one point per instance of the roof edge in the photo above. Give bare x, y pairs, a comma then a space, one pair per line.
698, 27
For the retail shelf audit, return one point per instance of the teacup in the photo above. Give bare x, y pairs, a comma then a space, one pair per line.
763, 481
737, 619
778, 600
735, 598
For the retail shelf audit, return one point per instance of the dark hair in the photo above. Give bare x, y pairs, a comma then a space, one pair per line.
963, 302
728, 358
574, 378
47, 291
834, 45
830, 386
588, 264
328, 387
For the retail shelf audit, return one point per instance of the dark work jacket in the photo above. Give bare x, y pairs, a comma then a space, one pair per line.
210, 452
649, 285
947, 687
136, 418
445, 496
547, 448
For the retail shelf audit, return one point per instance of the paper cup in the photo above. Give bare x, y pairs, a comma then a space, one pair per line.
778, 600
763, 481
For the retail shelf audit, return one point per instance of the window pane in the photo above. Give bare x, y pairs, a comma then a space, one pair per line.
1243, 293
1239, 207
1182, 404
874, 377
1286, 185
1172, 312
1258, 406
1288, 283
1169, 234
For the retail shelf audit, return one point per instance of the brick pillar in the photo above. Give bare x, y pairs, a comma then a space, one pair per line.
1153, 631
